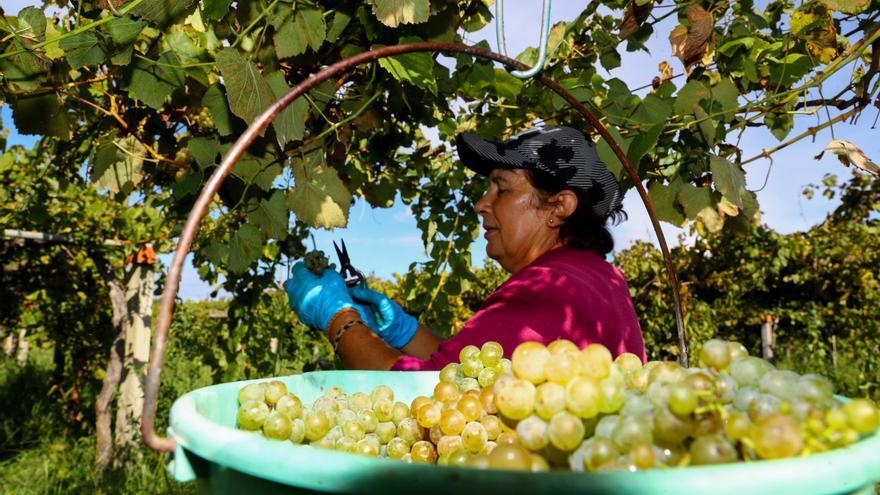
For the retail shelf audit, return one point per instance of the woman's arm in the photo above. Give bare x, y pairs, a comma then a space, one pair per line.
360, 348
423, 344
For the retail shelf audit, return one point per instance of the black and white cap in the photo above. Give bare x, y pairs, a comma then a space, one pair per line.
562, 152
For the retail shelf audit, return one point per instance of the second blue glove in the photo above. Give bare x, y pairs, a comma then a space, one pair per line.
393, 325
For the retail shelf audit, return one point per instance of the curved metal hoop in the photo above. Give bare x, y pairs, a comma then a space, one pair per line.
200, 208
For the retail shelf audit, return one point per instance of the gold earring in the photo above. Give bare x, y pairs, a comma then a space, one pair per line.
551, 221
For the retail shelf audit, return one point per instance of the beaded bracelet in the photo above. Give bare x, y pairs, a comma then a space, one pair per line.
342, 331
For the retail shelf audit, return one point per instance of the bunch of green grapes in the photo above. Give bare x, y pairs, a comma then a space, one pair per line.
316, 261
583, 410
461, 418
561, 407
269, 408
202, 120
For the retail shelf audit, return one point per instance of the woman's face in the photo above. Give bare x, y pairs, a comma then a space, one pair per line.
517, 229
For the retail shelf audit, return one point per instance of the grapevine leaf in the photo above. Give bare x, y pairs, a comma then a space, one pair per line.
246, 88
23, 70
705, 124
204, 150
302, 30
188, 185
699, 204
780, 124
253, 170
245, 248
690, 43
689, 95
123, 33
290, 123
32, 22
153, 83
319, 198
728, 178
635, 15
847, 6
726, 94
83, 49
479, 77
663, 198
414, 68
118, 165
478, 19
165, 12
42, 114
850, 154
186, 48
124, 30
214, 10
606, 154
506, 85
789, 70
730, 47
340, 21
395, 12
271, 215
651, 114
53, 51
215, 100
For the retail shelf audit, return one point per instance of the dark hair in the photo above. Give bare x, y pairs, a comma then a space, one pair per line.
584, 229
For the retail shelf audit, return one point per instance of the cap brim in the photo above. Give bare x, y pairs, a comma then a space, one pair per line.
482, 155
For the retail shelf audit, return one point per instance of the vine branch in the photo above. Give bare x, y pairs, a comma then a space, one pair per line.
113, 112
809, 132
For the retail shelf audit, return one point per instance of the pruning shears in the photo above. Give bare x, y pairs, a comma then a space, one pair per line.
352, 275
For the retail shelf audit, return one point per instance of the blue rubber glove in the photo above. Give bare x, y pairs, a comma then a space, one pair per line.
393, 325
317, 299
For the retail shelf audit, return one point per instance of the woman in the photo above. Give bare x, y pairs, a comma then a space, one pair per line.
544, 213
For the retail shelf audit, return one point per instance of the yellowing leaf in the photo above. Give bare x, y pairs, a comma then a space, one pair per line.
699, 204
665, 71
850, 154
847, 6
636, 14
118, 165
319, 198
395, 12
691, 43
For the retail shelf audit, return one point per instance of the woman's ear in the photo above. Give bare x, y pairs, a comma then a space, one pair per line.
564, 203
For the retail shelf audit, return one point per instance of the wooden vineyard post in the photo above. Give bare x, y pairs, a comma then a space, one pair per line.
139, 297
768, 337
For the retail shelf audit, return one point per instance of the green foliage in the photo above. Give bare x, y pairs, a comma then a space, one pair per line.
177, 82
820, 285
44, 450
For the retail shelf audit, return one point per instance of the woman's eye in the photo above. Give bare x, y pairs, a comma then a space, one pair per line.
501, 191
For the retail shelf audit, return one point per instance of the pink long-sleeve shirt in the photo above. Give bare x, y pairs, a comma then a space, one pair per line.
565, 293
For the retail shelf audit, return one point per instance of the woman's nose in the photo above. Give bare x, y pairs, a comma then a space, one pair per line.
482, 204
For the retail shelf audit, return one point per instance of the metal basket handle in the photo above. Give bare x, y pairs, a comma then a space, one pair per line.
200, 208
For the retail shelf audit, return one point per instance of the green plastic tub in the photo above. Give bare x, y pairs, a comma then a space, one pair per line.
222, 459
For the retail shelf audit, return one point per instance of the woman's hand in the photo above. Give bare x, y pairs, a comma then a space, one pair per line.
393, 325
316, 300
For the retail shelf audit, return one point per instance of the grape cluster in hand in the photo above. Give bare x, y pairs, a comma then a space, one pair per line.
561, 407
316, 261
